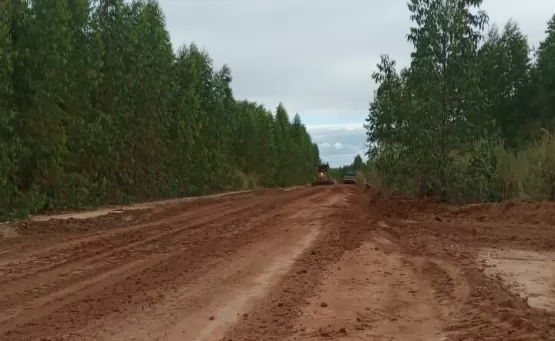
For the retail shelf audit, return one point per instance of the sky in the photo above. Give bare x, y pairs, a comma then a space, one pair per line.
317, 56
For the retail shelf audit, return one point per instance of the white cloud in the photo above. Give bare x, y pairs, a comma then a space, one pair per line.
316, 128
317, 56
339, 143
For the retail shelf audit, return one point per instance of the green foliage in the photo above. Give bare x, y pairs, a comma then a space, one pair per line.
352, 169
543, 75
96, 108
358, 163
528, 174
464, 117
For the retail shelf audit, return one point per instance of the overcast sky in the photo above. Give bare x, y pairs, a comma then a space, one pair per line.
317, 56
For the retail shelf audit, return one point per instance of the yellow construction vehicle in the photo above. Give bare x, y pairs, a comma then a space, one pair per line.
322, 175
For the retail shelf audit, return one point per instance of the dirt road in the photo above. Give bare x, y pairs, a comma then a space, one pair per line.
332, 262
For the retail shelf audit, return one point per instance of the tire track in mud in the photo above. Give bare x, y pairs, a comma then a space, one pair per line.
98, 243
468, 304
474, 306
249, 266
493, 312
230, 284
489, 310
168, 233
274, 317
109, 247
463, 303
187, 255
93, 243
371, 293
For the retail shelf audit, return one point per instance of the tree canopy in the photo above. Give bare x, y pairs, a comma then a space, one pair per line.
467, 110
96, 108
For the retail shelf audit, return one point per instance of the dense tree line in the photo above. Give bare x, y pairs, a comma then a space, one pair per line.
96, 107
471, 118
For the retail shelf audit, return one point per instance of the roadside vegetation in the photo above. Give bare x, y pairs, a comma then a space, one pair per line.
96, 107
357, 165
471, 119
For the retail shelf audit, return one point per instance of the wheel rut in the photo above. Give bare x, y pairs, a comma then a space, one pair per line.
332, 262
143, 267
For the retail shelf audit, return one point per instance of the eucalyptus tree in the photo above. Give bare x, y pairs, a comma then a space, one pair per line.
9, 141
96, 107
444, 82
504, 69
544, 79
281, 138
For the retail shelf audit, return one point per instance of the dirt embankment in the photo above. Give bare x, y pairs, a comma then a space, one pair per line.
332, 262
473, 257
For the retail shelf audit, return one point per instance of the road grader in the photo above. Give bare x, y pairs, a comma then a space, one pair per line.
322, 175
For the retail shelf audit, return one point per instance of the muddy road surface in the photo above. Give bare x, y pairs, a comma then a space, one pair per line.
331, 262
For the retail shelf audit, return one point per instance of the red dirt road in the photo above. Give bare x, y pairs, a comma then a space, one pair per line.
332, 262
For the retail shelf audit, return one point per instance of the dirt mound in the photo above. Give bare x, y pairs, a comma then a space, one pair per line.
116, 219
71, 225
448, 238
387, 205
514, 211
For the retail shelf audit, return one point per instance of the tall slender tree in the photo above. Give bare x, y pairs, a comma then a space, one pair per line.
444, 81
97, 108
